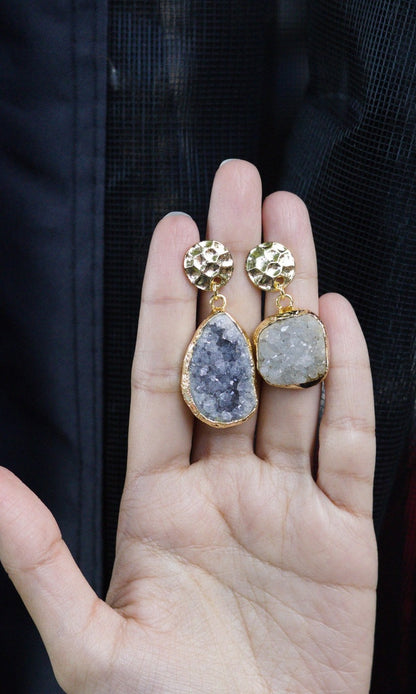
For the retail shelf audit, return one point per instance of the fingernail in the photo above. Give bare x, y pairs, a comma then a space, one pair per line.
225, 162
171, 214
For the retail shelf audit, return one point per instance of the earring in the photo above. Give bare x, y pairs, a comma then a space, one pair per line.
218, 375
291, 346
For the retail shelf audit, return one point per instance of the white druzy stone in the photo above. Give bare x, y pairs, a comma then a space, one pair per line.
292, 351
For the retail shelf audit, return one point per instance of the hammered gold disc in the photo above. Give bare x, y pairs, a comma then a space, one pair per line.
270, 266
208, 265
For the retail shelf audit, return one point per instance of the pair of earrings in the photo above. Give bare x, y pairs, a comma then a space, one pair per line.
219, 369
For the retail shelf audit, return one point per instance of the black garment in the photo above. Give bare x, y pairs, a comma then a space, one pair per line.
52, 130
190, 83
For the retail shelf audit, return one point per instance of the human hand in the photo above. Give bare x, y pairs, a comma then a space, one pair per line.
240, 572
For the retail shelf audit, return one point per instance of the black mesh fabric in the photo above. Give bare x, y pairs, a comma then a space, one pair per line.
192, 83
186, 90
352, 158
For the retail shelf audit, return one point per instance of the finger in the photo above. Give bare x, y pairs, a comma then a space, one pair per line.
63, 606
160, 429
288, 418
234, 219
346, 435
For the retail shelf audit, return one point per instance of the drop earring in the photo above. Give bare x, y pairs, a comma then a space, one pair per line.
291, 346
218, 375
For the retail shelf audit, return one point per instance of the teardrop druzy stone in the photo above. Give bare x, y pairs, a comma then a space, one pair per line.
218, 378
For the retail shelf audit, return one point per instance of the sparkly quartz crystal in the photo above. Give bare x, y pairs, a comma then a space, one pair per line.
292, 350
218, 380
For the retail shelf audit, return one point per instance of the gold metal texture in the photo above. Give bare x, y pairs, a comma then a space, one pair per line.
270, 266
280, 306
208, 265
215, 306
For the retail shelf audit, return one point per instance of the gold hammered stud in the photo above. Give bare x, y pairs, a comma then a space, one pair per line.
270, 266
291, 346
208, 265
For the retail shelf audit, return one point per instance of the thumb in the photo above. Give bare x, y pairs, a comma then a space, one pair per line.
63, 606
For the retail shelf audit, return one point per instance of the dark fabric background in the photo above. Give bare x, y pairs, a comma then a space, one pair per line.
352, 159
102, 132
52, 135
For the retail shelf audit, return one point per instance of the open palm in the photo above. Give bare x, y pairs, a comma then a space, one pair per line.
241, 572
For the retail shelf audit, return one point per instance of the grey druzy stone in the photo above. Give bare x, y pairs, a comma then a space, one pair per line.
292, 351
221, 372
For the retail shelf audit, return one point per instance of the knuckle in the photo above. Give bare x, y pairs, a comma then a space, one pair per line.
157, 379
353, 424
363, 478
45, 556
